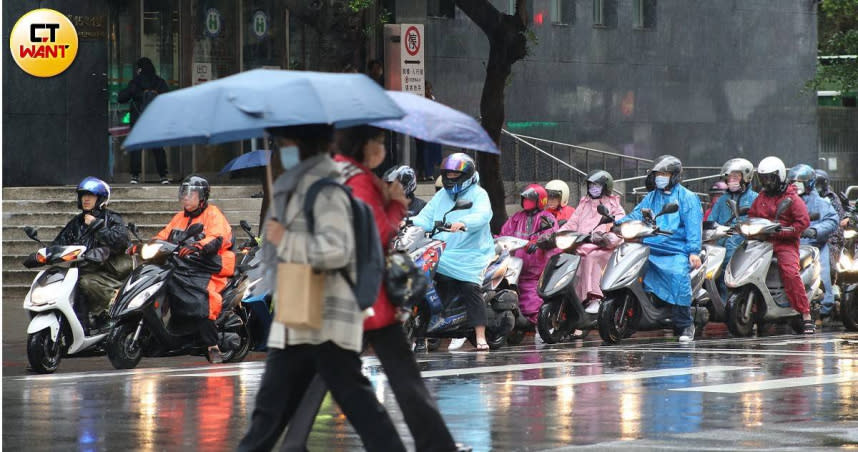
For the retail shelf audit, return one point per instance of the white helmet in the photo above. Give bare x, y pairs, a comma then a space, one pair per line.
556, 186
739, 165
772, 166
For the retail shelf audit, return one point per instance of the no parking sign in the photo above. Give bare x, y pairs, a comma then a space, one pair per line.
411, 59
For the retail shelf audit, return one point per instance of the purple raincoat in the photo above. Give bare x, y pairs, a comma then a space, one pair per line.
525, 225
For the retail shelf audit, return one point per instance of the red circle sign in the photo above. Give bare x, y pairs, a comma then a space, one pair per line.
412, 40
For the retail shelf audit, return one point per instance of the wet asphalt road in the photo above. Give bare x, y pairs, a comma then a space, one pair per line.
649, 393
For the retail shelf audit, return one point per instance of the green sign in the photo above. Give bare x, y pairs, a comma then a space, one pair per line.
213, 22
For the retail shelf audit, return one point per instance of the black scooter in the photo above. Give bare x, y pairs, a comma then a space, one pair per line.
141, 315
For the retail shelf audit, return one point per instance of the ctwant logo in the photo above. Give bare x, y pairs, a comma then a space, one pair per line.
44, 42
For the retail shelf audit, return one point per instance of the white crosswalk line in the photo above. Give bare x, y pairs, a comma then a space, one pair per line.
781, 383
629, 375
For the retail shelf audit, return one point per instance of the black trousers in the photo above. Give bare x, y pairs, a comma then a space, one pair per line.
160, 161
470, 295
289, 371
418, 407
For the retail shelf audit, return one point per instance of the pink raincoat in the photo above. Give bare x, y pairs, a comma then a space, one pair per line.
586, 219
524, 226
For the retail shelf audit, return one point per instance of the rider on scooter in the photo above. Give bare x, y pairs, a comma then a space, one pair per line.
804, 178
672, 257
773, 180
558, 201
531, 223
737, 173
470, 247
98, 280
206, 264
586, 219
836, 240
408, 179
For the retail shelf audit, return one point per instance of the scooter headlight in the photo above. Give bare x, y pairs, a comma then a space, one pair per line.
141, 297
846, 264
150, 250
565, 241
751, 229
849, 234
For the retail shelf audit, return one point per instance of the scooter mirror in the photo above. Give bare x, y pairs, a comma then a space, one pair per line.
734, 208
782, 206
132, 227
545, 224
462, 204
97, 224
670, 207
603, 211
193, 231
31, 233
606, 220
245, 225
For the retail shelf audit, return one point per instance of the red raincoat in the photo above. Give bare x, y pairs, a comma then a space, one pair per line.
367, 187
786, 242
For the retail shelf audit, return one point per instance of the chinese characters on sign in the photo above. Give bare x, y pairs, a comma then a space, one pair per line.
411, 58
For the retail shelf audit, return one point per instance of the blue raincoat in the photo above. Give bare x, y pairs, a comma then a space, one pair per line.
826, 225
468, 253
668, 273
721, 214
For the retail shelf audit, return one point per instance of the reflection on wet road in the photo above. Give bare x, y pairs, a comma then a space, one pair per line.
651, 393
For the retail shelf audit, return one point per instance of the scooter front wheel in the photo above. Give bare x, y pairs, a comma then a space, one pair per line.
43, 353
122, 350
849, 309
552, 323
618, 317
740, 316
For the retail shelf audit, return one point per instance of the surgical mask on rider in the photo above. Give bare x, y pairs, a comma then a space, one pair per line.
595, 191
799, 187
289, 157
661, 182
734, 186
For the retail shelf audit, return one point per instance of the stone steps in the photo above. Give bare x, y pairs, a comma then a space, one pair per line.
162, 217
123, 206
125, 191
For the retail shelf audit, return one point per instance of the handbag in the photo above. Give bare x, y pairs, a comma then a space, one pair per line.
300, 296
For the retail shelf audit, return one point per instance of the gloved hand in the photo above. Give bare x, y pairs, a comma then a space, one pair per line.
531, 247
598, 238
809, 233
546, 242
188, 250
132, 250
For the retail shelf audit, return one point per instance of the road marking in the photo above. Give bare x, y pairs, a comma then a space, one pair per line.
424, 374
782, 383
629, 375
724, 351
803, 342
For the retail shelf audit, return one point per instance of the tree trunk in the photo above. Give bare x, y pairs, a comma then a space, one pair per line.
507, 44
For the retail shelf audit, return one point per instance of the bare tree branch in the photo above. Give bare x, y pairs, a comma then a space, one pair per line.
482, 13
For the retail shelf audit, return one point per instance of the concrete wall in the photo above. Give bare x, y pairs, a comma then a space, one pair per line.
55, 129
711, 80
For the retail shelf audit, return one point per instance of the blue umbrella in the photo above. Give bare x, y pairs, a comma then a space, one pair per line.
430, 121
241, 106
253, 159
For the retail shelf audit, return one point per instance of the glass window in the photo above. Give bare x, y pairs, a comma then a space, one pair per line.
644, 13
605, 13
265, 35
563, 12
445, 9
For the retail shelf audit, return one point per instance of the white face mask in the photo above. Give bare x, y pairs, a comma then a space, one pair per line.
289, 157
799, 187
661, 182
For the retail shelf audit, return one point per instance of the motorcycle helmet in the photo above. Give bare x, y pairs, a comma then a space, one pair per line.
94, 186
804, 175
405, 175
197, 184
558, 189
668, 164
738, 165
603, 178
534, 197
771, 173
823, 182
461, 163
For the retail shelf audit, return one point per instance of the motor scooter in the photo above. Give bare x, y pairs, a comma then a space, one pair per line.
437, 318
562, 312
627, 307
847, 269
55, 329
501, 282
141, 314
755, 293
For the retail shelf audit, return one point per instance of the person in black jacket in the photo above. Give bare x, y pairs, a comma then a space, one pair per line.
144, 87
105, 236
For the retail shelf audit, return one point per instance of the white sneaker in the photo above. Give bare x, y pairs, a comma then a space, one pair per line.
687, 334
593, 307
456, 343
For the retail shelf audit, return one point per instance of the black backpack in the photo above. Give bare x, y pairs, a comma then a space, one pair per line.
368, 249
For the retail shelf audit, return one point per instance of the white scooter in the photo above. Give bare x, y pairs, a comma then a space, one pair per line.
755, 293
54, 329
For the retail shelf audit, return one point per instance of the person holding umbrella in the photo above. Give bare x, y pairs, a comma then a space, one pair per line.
332, 351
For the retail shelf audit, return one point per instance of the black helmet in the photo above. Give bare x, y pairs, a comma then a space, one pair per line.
668, 164
823, 182
94, 186
405, 175
603, 178
197, 184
